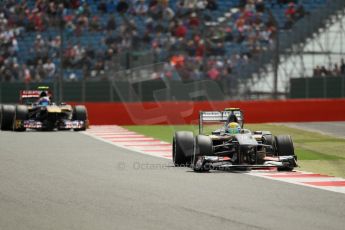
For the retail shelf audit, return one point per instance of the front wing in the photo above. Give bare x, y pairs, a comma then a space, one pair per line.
64, 124
216, 162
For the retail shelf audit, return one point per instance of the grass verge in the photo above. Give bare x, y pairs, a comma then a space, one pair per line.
316, 152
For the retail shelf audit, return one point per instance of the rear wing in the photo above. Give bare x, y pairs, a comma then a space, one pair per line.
221, 116
26, 95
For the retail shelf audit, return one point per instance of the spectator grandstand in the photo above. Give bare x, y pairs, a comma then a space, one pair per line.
87, 38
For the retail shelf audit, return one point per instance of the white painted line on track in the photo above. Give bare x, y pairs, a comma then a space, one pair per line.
306, 179
160, 148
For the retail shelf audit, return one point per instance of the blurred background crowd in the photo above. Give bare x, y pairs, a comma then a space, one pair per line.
200, 39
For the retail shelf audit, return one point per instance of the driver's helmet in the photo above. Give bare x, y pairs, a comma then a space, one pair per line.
233, 128
43, 94
44, 99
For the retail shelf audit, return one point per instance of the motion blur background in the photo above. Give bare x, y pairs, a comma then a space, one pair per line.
147, 50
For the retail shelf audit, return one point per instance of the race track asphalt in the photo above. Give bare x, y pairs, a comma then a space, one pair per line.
66, 180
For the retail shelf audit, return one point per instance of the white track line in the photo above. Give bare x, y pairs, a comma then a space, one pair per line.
304, 181
141, 144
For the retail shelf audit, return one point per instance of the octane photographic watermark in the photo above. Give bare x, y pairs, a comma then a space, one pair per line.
206, 89
150, 166
121, 165
136, 165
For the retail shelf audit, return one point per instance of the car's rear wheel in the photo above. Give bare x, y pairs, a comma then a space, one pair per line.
0, 114
284, 147
203, 146
80, 114
183, 146
8, 112
269, 139
21, 114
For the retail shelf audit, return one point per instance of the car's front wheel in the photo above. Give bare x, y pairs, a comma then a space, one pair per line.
20, 115
80, 114
8, 112
284, 147
203, 147
183, 145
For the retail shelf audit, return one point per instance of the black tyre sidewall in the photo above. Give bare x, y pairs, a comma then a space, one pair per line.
202, 146
183, 148
270, 140
0, 115
8, 112
80, 114
284, 145
21, 113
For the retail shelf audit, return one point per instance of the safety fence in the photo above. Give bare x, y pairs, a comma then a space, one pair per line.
187, 112
318, 87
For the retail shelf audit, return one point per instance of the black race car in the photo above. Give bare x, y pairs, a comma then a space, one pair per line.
223, 150
31, 114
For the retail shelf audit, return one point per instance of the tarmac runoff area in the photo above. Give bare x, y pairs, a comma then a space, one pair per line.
68, 180
336, 129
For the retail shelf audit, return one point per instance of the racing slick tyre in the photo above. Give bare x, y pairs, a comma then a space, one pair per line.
284, 147
80, 114
183, 147
21, 114
0, 114
269, 139
203, 146
7, 117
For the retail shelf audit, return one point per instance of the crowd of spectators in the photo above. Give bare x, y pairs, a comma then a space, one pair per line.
336, 69
293, 13
184, 33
